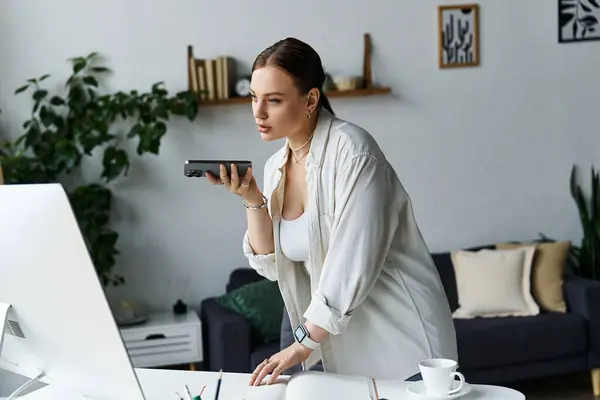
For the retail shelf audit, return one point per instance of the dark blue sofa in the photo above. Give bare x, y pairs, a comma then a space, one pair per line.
491, 350
495, 350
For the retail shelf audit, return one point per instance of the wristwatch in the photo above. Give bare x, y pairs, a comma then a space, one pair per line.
302, 336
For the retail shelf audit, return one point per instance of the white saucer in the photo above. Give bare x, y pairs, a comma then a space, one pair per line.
418, 389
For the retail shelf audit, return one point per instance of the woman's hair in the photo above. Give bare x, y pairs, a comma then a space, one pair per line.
299, 60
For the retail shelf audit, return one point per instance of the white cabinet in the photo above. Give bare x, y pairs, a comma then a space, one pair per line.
165, 339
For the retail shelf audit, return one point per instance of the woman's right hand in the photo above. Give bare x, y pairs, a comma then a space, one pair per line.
245, 187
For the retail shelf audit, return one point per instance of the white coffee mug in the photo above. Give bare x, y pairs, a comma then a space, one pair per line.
438, 375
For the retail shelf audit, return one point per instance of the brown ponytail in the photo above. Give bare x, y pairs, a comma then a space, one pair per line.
324, 102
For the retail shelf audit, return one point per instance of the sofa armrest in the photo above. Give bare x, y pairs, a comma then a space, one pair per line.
226, 338
583, 297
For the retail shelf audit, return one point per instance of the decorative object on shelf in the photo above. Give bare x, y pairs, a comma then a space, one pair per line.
364, 88
347, 82
128, 315
242, 86
578, 20
84, 120
458, 35
179, 307
137, 320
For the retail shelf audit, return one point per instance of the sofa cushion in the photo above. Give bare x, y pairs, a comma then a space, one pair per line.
547, 273
503, 341
261, 304
494, 283
443, 262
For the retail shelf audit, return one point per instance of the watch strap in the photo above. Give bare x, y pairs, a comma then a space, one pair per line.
302, 336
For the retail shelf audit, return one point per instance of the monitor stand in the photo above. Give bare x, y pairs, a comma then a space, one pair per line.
4, 307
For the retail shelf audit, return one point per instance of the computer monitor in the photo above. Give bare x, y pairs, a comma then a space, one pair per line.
59, 322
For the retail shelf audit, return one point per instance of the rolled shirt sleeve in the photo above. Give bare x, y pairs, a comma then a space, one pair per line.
365, 222
264, 264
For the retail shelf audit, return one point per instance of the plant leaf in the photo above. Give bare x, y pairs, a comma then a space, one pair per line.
57, 101
589, 20
596, 196
135, 129
565, 7
39, 94
91, 81
22, 89
565, 18
78, 65
115, 163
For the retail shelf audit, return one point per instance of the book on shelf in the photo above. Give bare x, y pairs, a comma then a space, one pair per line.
214, 78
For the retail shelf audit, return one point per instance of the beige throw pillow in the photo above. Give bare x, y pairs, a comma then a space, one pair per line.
494, 283
547, 274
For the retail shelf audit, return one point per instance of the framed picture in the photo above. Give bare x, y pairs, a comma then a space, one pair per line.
458, 29
578, 20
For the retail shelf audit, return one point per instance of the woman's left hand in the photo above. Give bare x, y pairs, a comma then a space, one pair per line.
286, 358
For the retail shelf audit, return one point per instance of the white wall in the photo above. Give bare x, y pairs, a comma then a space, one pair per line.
485, 152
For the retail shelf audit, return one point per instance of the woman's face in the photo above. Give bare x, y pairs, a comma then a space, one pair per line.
278, 107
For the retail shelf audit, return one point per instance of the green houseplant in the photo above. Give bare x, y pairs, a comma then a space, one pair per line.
65, 128
585, 258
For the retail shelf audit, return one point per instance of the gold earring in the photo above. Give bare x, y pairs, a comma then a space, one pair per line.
308, 116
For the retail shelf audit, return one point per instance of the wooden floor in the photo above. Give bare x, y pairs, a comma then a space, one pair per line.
567, 387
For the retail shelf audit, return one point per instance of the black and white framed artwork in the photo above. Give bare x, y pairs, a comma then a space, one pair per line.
458, 32
578, 20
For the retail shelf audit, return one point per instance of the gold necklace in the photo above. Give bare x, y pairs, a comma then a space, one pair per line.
299, 159
305, 154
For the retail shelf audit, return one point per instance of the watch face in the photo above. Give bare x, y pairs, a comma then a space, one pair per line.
300, 333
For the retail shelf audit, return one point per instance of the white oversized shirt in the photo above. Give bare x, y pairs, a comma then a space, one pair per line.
372, 283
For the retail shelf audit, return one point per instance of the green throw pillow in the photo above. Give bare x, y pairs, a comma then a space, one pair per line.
261, 304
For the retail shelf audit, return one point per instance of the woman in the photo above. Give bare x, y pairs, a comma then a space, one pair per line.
334, 226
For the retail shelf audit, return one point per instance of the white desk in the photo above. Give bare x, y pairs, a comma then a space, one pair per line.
162, 385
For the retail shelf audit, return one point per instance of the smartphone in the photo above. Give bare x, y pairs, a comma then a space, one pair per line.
198, 168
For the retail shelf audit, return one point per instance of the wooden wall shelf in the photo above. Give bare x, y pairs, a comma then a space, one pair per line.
330, 94
367, 89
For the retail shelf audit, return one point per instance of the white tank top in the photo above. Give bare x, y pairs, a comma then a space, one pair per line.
293, 238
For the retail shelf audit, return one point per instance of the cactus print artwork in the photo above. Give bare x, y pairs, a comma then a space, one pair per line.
578, 20
458, 35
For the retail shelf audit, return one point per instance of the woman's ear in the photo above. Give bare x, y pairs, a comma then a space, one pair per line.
312, 100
